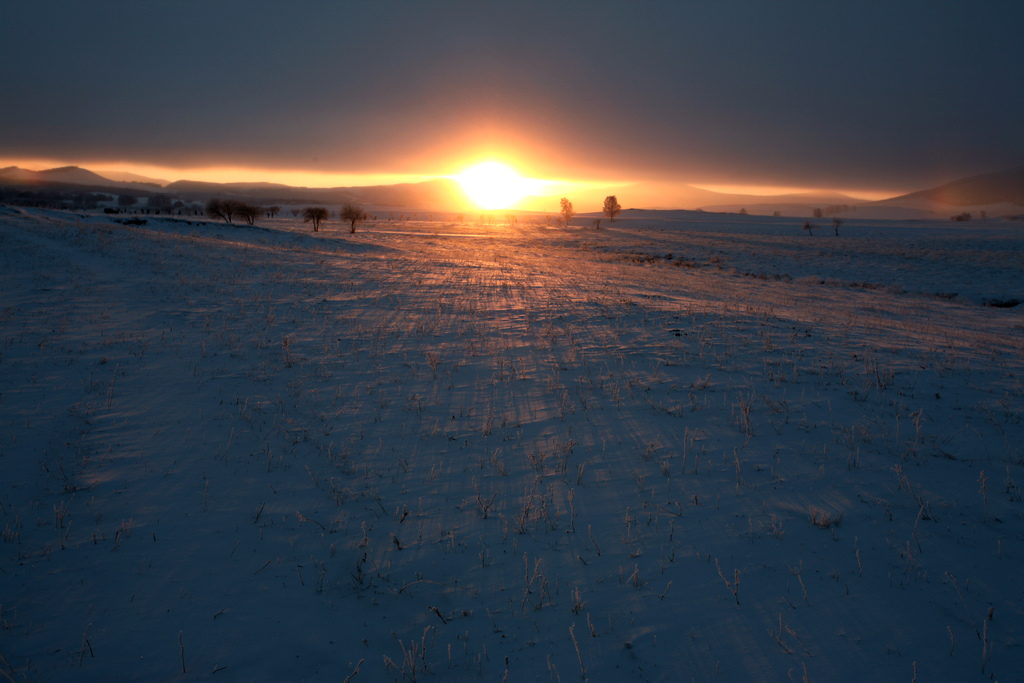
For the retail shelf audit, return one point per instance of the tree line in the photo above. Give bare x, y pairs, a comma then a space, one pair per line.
228, 210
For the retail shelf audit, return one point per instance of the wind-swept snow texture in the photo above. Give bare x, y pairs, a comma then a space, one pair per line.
437, 451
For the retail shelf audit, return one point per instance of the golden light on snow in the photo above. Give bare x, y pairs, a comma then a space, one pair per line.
493, 185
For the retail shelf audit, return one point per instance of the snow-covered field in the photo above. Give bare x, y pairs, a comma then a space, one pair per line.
671, 449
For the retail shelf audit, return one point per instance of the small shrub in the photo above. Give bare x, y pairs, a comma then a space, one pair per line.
824, 520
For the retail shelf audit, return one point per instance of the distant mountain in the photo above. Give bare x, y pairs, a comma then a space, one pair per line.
72, 175
440, 194
13, 174
65, 177
200, 189
989, 188
126, 177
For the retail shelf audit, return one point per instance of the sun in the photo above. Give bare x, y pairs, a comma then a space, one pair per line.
493, 185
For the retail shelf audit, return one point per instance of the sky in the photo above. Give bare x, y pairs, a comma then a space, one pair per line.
872, 98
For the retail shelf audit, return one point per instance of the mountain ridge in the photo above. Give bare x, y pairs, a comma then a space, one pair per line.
67, 176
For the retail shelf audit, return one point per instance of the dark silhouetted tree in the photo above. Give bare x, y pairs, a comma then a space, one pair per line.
248, 213
817, 213
612, 208
352, 213
836, 222
809, 227
225, 209
272, 211
315, 215
218, 208
567, 211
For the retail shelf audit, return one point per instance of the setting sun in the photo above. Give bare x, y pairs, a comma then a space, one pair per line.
492, 185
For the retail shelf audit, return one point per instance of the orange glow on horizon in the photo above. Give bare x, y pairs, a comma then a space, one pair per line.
770, 190
511, 190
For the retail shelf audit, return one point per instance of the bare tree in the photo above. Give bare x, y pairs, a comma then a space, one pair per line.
612, 208
272, 211
248, 213
352, 213
836, 222
220, 208
567, 211
314, 214
227, 209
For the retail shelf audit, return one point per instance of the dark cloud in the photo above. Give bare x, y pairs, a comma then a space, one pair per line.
870, 95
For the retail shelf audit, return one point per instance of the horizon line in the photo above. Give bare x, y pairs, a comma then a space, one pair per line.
151, 173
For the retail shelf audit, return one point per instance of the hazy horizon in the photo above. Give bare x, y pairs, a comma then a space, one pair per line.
166, 176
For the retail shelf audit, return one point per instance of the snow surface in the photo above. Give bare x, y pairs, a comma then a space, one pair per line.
435, 451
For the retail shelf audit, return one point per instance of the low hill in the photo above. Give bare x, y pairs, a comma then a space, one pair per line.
1001, 187
66, 177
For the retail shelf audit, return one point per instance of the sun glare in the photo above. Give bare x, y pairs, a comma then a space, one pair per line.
492, 185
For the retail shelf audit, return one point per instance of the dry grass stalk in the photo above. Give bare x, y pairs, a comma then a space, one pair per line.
734, 585
823, 519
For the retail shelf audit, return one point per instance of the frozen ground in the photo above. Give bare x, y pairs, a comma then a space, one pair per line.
667, 450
